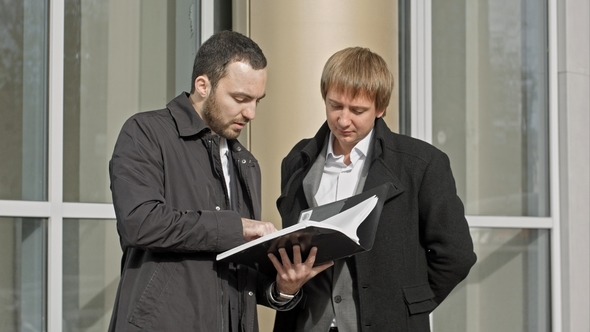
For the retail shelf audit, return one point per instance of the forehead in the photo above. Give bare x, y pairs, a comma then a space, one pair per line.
348, 96
241, 77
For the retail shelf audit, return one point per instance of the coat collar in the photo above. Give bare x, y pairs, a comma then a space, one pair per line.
188, 121
379, 169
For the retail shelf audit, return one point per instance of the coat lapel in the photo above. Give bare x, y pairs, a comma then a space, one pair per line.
377, 173
379, 169
311, 182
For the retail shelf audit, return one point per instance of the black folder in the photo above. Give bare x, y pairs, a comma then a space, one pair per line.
339, 229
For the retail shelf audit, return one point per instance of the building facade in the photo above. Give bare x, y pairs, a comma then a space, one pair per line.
501, 86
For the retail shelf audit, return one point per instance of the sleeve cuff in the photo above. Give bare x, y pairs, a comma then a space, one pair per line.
281, 300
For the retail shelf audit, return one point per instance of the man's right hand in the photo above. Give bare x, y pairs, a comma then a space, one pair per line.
292, 275
254, 229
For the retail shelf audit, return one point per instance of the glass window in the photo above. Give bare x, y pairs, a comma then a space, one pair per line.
489, 102
23, 278
91, 270
121, 57
508, 289
23, 92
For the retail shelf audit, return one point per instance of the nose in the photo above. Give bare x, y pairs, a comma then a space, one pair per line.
344, 118
249, 112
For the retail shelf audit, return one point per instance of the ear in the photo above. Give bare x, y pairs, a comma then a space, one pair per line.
202, 86
379, 114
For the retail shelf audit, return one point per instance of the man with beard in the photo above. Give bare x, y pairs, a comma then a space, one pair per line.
184, 190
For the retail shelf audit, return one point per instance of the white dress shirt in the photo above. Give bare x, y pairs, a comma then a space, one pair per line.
339, 180
224, 153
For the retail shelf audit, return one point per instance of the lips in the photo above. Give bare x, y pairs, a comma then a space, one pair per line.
239, 125
344, 132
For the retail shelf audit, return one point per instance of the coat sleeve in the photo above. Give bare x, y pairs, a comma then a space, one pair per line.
144, 219
444, 229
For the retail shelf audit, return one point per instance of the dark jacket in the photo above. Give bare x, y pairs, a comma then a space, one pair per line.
173, 219
423, 247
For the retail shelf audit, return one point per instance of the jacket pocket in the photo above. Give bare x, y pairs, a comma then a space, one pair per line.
419, 298
150, 304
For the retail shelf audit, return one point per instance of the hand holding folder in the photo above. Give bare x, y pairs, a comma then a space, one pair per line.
337, 229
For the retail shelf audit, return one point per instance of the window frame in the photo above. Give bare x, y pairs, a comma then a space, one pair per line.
55, 210
421, 128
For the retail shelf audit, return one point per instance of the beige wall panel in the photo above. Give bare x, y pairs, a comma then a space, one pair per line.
297, 38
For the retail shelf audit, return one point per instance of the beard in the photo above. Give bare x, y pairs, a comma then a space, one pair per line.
213, 116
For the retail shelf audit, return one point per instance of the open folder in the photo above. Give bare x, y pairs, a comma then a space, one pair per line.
339, 229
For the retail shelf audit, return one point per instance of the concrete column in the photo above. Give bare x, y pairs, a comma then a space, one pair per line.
574, 147
297, 38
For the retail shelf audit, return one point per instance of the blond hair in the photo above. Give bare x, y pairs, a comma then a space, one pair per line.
359, 72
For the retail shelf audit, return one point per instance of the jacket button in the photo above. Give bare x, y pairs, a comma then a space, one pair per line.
217, 208
250, 293
239, 148
337, 299
243, 161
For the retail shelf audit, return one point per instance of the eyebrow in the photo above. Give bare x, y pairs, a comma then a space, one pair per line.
246, 95
351, 106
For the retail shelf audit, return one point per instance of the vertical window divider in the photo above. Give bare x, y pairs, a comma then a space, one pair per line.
421, 70
55, 166
554, 186
207, 24
421, 75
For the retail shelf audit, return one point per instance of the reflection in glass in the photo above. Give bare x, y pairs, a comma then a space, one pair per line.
23, 276
489, 102
91, 268
121, 57
508, 289
23, 92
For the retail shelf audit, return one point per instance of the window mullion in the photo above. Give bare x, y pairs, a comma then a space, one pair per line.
55, 167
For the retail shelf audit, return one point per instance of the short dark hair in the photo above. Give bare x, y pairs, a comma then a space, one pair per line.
221, 49
358, 71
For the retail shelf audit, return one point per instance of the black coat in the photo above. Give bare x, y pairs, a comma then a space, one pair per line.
173, 219
423, 247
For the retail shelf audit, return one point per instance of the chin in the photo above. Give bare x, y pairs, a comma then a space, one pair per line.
231, 134
347, 139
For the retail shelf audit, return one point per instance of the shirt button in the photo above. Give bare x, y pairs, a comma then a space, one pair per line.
217, 208
337, 299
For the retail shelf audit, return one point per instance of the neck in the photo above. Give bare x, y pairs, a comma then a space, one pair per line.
342, 150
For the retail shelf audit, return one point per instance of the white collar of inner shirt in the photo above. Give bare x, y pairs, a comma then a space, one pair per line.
360, 149
222, 146
223, 152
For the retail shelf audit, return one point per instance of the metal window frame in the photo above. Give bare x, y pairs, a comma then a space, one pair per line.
55, 210
421, 127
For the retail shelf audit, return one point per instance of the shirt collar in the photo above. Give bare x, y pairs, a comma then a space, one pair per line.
361, 149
